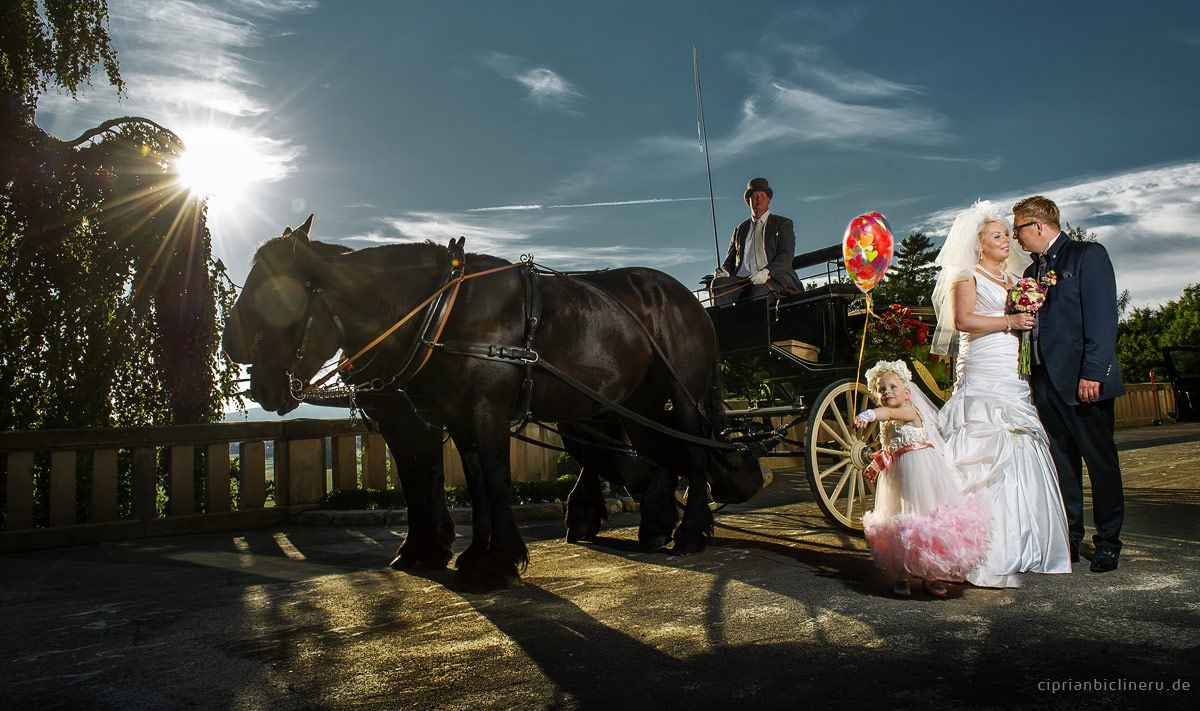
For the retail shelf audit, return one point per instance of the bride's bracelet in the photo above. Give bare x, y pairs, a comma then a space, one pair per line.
1007, 325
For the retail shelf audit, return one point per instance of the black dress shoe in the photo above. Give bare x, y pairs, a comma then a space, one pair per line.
1104, 561
1074, 552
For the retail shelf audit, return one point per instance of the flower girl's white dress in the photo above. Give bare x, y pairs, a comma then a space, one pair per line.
922, 524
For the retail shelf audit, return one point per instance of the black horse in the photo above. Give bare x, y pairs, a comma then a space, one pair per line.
612, 357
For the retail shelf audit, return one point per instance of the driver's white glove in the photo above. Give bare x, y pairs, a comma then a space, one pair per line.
760, 276
863, 418
720, 272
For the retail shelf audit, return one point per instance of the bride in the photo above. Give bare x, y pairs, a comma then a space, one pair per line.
990, 425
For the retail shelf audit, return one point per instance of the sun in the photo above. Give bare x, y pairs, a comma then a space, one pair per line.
231, 169
220, 163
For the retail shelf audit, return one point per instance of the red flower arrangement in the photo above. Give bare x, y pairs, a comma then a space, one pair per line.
897, 326
897, 333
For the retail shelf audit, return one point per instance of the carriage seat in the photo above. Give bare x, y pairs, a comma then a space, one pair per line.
799, 349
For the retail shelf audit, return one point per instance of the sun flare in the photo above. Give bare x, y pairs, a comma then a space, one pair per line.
221, 163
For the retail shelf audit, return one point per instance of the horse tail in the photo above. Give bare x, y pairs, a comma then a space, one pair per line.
734, 474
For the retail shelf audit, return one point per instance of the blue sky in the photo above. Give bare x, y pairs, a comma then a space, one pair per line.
568, 130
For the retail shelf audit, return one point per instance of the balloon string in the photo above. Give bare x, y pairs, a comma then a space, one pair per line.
862, 349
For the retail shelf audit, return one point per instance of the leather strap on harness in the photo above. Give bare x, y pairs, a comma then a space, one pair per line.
435, 317
533, 316
529, 357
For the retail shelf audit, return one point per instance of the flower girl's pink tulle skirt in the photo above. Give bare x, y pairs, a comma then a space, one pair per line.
946, 544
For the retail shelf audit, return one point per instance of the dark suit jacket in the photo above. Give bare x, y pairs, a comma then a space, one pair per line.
779, 242
1077, 325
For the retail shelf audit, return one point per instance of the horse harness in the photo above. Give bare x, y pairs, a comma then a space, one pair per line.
437, 311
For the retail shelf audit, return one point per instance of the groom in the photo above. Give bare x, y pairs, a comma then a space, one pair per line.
1075, 373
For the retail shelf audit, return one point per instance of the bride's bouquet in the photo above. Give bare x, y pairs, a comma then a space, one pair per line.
1027, 296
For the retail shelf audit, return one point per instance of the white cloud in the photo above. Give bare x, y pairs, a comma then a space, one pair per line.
493, 234
787, 114
816, 99
190, 54
546, 87
618, 203
811, 101
1146, 219
183, 93
183, 62
501, 208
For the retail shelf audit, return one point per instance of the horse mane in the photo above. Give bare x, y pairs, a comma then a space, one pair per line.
281, 250
387, 254
271, 248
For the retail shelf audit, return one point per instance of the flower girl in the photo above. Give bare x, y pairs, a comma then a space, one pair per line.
922, 523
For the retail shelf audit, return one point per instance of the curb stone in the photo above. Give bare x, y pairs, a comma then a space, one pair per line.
399, 517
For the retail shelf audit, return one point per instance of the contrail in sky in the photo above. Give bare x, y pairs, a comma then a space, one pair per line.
585, 204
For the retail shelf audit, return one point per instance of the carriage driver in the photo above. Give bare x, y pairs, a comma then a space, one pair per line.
759, 261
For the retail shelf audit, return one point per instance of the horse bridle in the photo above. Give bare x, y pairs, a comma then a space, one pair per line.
314, 295
436, 311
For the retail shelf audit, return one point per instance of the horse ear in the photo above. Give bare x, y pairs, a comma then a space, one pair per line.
456, 249
300, 235
307, 226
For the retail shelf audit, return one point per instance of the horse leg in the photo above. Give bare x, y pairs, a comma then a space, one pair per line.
690, 462
697, 525
586, 512
675, 460
659, 512
497, 554
418, 454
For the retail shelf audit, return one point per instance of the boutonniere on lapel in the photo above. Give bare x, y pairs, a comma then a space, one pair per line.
1051, 279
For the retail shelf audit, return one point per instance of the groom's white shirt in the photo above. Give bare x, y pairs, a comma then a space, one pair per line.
1050, 244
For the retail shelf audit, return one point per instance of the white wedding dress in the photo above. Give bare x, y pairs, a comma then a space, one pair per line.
993, 434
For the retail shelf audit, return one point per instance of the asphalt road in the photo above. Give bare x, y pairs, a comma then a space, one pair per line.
781, 612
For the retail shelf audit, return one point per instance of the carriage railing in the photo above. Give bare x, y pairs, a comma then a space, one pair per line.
830, 260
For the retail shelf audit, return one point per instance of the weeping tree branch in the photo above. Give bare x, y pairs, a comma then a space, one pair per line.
114, 123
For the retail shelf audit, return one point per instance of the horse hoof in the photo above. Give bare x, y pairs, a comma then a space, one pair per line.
421, 555
689, 547
582, 532
403, 562
689, 541
416, 564
652, 543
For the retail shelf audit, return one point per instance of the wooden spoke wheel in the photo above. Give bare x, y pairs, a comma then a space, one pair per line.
836, 453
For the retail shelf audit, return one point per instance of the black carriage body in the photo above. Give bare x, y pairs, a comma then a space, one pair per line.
790, 372
796, 346
781, 356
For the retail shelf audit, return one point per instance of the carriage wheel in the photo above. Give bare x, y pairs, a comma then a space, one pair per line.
836, 453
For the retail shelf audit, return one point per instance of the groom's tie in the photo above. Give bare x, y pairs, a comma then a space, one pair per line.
1037, 317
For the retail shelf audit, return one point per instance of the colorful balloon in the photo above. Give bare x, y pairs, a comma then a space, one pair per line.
867, 248
880, 218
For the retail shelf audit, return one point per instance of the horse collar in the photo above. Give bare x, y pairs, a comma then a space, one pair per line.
433, 319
